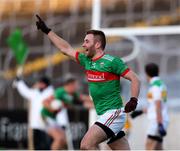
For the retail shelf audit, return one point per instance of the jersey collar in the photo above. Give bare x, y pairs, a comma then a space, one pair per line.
95, 59
154, 79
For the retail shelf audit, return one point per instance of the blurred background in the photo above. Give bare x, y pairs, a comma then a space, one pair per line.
71, 19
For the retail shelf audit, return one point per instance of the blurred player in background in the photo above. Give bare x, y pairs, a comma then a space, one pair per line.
157, 109
127, 126
55, 113
40, 90
103, 73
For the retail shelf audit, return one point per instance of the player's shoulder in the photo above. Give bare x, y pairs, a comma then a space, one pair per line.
158, 83
110, 58
155, 88
59, 90
82, 55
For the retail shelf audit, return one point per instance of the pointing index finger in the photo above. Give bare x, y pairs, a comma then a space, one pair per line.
39, 18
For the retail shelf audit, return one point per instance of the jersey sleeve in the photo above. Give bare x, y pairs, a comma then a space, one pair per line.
81, 58
64, 97
25, 91
156, 93
119, 67
77, 95
57, 94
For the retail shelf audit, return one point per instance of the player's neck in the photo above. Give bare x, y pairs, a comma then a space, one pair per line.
67, 89
98, 55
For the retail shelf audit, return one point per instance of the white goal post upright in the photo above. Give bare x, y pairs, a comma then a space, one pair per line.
96, 24
129, 31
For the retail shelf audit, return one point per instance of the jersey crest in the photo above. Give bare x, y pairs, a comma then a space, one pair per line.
108, 57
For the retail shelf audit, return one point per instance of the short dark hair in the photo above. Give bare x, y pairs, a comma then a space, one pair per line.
99, 35
152, 69
69, 79
45, 80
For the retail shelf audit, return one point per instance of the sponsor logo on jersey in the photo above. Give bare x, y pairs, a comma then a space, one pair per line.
96, 76
102, 64
93, 65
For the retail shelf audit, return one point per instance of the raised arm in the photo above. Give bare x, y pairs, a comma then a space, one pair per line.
60, 43
24, 90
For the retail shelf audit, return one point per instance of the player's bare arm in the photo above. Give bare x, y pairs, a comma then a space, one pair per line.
135, 88
60, 43
135, 83
159, 111
86, 100
161, 128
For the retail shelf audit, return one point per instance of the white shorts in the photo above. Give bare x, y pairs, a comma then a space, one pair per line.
62, 118
113, 119
60, 121
51, 123
153, 127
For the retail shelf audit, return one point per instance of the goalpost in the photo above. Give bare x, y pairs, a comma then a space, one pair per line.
129, 32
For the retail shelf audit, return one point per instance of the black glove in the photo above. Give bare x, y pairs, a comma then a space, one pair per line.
161, 130
41, 25
136, 113
131, 105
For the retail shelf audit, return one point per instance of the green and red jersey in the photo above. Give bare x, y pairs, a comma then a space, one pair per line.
61, 95
103, 75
